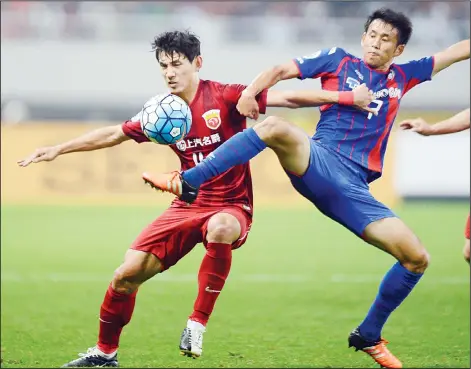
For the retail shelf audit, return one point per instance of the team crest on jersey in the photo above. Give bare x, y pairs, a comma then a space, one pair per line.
181, 145
212, 118
391, 75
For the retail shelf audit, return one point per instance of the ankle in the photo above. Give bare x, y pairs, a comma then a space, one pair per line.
195, 323
106, 351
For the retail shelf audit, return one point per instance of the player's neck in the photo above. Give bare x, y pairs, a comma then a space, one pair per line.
189, 94
382, 68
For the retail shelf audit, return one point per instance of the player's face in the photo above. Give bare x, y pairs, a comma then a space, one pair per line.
178, 71
380, 44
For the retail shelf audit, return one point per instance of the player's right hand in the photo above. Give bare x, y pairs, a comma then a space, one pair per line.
362, 97
248, 106
41, 154
416, 125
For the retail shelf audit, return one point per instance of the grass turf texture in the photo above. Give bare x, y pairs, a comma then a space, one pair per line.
296, 289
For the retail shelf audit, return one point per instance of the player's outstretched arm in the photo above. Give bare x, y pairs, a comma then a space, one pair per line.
247, 104
457, 123
360, 97
97, 139
451, 55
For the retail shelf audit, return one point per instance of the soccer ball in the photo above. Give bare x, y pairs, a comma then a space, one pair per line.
166, 119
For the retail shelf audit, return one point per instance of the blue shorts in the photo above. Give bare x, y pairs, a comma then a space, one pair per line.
338, 187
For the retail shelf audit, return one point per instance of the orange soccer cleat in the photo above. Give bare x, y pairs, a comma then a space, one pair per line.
173, 183
377, 350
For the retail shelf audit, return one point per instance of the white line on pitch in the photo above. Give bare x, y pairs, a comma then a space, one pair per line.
247, 278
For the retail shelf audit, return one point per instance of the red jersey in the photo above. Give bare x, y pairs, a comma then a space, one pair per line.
215, 120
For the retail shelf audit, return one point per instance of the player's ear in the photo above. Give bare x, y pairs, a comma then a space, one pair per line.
399, 50
198, 62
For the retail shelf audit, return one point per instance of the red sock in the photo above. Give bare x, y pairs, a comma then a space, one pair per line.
212, 275
116, 311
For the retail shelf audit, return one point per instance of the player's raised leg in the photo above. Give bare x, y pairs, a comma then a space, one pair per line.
393, 236
290, 143
223, 232
117, 308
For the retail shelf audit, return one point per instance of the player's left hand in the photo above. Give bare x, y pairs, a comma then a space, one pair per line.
362, 97
416, 125
248, 106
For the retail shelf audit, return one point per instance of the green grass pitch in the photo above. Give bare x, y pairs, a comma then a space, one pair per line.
296, 289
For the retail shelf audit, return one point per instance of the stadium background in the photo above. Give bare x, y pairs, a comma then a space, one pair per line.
67, 67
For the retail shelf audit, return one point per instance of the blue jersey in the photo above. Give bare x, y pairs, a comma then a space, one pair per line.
355, 134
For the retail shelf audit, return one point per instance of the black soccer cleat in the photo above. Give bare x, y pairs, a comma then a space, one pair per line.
173, 183
358, 342
93, 358
377, 350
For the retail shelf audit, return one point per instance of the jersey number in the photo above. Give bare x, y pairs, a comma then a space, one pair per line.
379, 104
198, 157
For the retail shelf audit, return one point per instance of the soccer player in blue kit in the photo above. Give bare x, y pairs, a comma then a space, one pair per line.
334, 167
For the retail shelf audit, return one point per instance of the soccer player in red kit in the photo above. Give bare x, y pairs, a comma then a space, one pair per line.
221, 217
457, 123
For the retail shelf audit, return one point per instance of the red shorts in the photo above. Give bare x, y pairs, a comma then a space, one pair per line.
177, 231
466, 230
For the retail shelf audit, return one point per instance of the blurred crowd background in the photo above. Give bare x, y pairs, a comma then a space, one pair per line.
90, 20
89, 60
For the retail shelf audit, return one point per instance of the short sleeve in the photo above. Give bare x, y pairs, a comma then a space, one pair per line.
232, 94
132, 129
321, 62
416, 71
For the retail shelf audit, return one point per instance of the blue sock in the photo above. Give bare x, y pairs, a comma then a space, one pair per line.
395, 287
239, 149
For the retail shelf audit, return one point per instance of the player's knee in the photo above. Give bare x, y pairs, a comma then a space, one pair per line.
466, 251
223, 228
123, 282
223, 233
273, 130
136, 269
393, 236
466, 256
417, 261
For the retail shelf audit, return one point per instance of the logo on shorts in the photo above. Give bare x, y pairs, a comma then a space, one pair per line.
212, 118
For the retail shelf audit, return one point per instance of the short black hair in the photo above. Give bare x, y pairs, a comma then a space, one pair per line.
181, 42
396, 19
